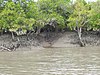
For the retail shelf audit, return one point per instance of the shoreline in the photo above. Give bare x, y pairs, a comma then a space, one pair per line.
52, 40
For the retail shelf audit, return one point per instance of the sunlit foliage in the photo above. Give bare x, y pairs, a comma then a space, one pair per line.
22, 15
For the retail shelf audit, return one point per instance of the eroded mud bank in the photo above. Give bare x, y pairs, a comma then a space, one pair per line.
45, 40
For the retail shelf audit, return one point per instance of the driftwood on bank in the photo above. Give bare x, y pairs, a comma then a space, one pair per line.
9, 48
5, 48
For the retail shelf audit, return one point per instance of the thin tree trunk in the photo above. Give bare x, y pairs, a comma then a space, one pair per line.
28, 34
79, 30
12, 36
38, 31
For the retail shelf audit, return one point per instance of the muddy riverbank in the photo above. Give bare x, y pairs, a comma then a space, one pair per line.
45, 40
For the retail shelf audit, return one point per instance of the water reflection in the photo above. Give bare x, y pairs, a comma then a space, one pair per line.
55, 61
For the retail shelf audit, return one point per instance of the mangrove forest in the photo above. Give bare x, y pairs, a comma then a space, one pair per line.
25, 17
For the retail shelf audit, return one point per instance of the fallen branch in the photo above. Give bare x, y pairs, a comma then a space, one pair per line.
5, 48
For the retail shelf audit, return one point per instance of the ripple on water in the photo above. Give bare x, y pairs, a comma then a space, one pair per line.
56, 61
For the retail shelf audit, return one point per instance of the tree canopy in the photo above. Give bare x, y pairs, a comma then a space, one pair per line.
23, 15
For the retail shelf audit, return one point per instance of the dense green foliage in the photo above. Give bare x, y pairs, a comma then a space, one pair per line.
21, 15
95, 15
79, 17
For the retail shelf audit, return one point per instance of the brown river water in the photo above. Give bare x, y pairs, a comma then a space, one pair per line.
51, 61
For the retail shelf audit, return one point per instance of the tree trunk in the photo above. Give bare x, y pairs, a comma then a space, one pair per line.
12, 36
38, 30
79, 30
27, 36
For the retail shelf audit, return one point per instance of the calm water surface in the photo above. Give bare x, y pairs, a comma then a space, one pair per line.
54, 61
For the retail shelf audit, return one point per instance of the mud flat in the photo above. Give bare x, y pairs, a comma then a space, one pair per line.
46, 40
